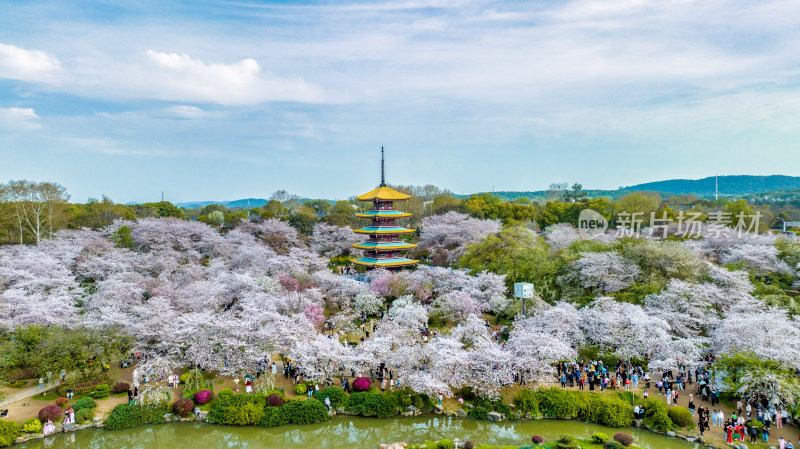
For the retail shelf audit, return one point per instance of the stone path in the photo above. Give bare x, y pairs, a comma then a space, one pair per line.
25, 394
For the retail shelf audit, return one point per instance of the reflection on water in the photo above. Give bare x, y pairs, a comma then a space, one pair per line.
339, 433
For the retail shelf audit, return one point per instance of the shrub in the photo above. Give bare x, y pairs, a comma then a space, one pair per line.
525, 401
361, 384
243, 415
337, 396
236, 410
567, 442
9, 431
83, 403
120, 387
203, 397
537, 439
752, 422
32, 425
655, 415
124, 415
599, 438
479, 412
556, 403
623, 439
84, 415
445, 444
51, 412
273, 417
606, 410
101, 391
61, 402
274, 400
680, 416
469, 445
226, 391
613, 445
183, 407
300, 389
371, 404
305, 412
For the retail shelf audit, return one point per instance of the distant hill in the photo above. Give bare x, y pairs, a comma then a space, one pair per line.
729, 186
254, 202
746, 186
235, 204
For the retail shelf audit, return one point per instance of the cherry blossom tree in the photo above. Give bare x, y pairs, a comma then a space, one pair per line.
450, 233
623, 328
455, 306
333, 241
367, 303
561, 235
607, 271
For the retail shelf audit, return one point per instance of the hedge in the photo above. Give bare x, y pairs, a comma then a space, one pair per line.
84, 402
681, 417
9, 431
525, 401
336, 394
305, 412
101, 391
656, 416
236, 410
84, 415
273, 417
32, 425
556, 403
131, 415
371, 404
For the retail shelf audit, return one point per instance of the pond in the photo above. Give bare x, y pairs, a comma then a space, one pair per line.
341, 433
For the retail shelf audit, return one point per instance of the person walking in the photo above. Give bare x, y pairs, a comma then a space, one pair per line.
753, 432
236, 383
41, 383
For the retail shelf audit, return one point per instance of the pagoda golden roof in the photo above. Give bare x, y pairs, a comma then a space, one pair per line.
383, 193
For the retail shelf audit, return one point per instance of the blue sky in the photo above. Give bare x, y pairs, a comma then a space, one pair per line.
226, 100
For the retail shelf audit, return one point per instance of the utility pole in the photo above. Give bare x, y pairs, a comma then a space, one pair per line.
162, 196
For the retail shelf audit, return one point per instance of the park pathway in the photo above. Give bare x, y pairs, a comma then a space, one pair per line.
25, 394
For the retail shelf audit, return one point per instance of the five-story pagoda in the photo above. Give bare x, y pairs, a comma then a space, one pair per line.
384, 248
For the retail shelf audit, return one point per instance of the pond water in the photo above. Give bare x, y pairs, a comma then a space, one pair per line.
340, 433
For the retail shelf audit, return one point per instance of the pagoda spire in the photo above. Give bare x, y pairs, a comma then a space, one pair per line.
383, 173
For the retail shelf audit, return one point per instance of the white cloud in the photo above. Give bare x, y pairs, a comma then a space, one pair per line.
179, 77
16, 119
187, 112
27, 65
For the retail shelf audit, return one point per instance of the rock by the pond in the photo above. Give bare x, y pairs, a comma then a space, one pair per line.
494, 416
460, 412
670, 433
168, 417
69, 427
691, 439
438, 409
400, 445
411, 408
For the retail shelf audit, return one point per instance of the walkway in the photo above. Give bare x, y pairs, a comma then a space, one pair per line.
25, 394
